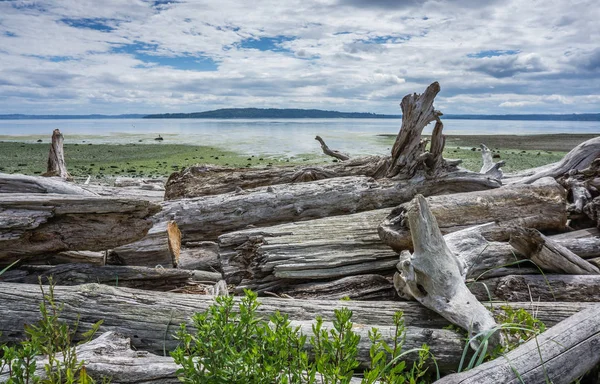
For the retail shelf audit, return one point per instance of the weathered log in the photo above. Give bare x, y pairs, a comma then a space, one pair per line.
159, 247
361, 287
38, 184
592, 210
538, 288
434, 276
204, 180
56, 158
42, 223
133, 192
578, 158
331, 152
203, 256
204, 219
562, 354
151, 318
153, 279
69, 257
548, 254
541, 205
489, 167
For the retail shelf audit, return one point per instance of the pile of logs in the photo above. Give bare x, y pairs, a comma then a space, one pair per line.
411, 231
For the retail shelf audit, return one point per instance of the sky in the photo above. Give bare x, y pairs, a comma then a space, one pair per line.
155, 56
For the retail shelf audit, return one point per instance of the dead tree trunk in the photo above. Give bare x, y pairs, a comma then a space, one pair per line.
36, 184
56, 158
434, 276
331, 152
34, 224
541, 205
560, 355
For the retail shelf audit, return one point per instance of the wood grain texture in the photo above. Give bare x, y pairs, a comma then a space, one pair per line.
15, 183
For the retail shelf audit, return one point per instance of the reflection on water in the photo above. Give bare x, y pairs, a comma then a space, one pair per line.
269, 137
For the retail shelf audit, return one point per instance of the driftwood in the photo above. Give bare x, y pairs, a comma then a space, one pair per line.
562, 354
151, 318
548, 254
541, 205
160, 247
133, 192
204, 219
489, 167
434, 276
538, 288
68, 257
37, 184
42, 223
360, 287
153, 279
56, 158
203, 256
331, 152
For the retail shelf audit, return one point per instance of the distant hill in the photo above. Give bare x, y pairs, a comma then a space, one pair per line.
271, 113
67, 117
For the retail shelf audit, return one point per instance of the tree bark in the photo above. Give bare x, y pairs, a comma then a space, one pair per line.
202, 256
330, 152
37, 184
560, 355
151, 318
435, 277
160, 247
204, 219
153, 279
360, 287
56, 158
538, 288
36, 224
541, 205
548, 254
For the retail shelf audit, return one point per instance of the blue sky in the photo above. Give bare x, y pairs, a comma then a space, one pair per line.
141, 56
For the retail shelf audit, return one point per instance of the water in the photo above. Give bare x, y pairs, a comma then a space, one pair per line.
270, 137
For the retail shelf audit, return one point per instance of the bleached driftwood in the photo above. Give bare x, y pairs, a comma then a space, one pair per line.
151, 318
160, 247
548, 254
33, 224
489, 167
56, 158
359, 287
560, 355
38, 184
541, 205
331, 152
203, 256
206, 218
434, 276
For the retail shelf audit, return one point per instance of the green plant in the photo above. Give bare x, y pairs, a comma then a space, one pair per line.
9, 267
53, 339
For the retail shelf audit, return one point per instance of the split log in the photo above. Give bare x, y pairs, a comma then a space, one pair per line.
160, 247
489, 167
151, 318
548, 254
562, 354
204, 219
202, 255
56, 158
578, 158
541, 205
153, 279
43, 223
37, 184
361, 287
331, 152
435, 277
538, 288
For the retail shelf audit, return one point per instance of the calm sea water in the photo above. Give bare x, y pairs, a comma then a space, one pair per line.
269, 137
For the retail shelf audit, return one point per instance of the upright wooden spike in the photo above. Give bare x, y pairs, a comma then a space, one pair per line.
56, 158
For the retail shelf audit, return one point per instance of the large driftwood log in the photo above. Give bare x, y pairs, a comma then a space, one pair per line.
42, 223
360, 287
151, 318
331, 152
541, 205
560, 355
548, 254
37, 184
56, 158
160, 247
434, 276
578, 158
153, 279
204, 219
202, 256
538, 288
489, 167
